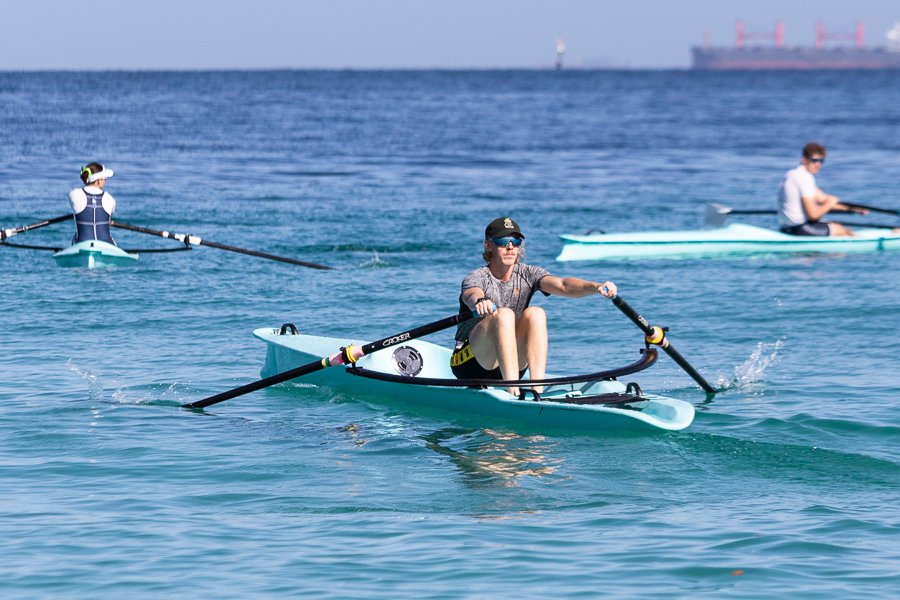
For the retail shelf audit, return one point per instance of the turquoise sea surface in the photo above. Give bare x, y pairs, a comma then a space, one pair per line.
786, 485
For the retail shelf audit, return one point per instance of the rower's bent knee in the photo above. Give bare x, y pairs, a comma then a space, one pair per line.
505, 316
535, 313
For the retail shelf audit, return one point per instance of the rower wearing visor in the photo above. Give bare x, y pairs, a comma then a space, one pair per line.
510, 336
93, 207
802, 203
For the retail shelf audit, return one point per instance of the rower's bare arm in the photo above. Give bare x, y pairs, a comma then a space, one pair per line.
573, 287
854, 209
472, 298
818, 206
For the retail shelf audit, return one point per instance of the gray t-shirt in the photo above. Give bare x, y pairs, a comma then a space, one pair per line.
515, 293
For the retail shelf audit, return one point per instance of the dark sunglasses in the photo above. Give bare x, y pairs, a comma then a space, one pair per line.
502, 242
821, 161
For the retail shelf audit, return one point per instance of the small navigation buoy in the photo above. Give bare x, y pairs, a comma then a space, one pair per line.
560, 50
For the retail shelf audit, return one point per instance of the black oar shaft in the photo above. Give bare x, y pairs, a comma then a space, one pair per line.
197, 241
7, 233
887, 211
650, 331
864, 225
327, 361
751, 212
284, 259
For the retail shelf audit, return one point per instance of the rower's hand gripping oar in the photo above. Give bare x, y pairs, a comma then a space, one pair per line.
886, 211
189, 239
657, 336
8, 233
348, 355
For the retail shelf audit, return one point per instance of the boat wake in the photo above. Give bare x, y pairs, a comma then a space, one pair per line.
750, 373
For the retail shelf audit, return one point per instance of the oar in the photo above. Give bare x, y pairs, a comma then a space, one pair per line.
344, 356
196, 241
8, 233
657, 336
864, 225
716, 214
887, 211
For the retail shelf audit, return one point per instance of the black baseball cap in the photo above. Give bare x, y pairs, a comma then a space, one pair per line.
502, 227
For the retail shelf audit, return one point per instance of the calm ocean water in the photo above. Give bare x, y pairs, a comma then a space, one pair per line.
786, 485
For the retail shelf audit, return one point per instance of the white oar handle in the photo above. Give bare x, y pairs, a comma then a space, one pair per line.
185, 238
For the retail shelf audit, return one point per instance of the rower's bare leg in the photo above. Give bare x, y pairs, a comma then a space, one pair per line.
493, 343
838, 230
531, 336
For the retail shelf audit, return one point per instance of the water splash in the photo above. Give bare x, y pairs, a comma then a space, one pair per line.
375, 262
95, 386
162, 394
753, 369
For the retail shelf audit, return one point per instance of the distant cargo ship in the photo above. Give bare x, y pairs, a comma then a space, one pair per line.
779, 56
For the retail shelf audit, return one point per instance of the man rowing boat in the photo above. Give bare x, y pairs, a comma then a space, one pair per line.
802, 203
93, 207
511, 336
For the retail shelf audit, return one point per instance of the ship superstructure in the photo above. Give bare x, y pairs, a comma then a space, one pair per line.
779, 56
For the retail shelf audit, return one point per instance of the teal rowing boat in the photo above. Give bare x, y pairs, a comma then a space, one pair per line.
92, 254
735, 239
417, 373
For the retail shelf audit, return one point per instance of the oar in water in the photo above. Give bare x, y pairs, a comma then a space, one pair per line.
187, 238
8, 233
657, 336
348, 355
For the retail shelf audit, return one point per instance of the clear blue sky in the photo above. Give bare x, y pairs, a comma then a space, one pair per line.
191, 34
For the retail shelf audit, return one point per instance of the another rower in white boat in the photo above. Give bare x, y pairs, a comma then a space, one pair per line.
722, 239
802, 204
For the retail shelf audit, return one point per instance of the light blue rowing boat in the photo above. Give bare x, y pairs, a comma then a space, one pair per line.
411, 373
734, 239
92, 254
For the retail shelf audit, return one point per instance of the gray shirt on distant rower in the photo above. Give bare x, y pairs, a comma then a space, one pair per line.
515, 293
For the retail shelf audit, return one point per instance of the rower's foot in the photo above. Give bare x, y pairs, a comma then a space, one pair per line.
514, 391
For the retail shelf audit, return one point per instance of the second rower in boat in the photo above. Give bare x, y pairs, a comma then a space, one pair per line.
802, 203
93, 207
511, 336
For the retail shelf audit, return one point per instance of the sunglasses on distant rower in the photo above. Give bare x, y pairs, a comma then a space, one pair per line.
821, 161
502, 242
